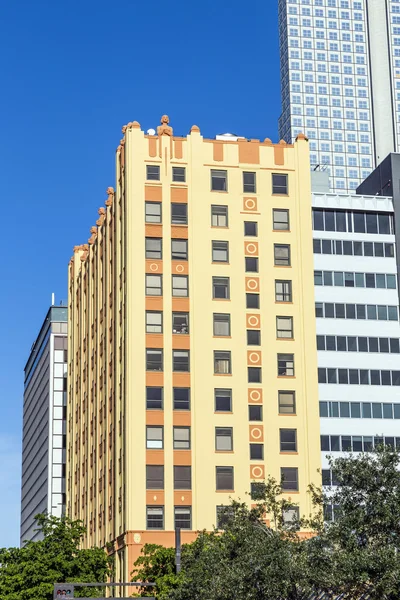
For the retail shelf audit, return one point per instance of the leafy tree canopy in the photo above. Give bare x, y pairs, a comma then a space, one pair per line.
29, 573
356, 553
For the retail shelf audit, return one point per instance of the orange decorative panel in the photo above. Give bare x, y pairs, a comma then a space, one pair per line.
254, 358
256, 433
257, 472
154, 340
252, 284
218, 151
178, 149
152, 146
183, 498
181, 342
251, 248
182, 418
181, 379
154, 417
180, 304
255, 395
179, 194
153, 192
250, 204
154, 378
154, 457
180, 268
253, 321
153, 230
155, 497
179, 232
279, 154
154, 266
154, 303
182, 457
249, 152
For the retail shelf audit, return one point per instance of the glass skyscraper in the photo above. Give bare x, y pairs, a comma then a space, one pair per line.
340, 79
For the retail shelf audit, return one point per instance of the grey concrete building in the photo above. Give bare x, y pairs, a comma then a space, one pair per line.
44, 423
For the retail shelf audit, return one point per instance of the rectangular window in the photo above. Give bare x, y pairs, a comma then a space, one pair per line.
221, 288
220, 251
279, 183
153, 285
219, 216
181, 438
153, 322
255, 412
219, 180
183, 517
223, 515
282, 255
280, 219
256, 451
223, 400
254, 374
287, 402
153, 172
180, 361
179, 174
251, 264
284, 327
223, 439
182, 478
179, 249
180, 286
290, 479
291, 516
283, 291
222, 324
249, 182
222, 362
154, 359
179, 213
286, 365
154, 398
153, 212
155, 517
253, 337
154, 248
252, 300
224, 478
250, 228
155, 477
180, 322
181, 398
288, 440
154, 437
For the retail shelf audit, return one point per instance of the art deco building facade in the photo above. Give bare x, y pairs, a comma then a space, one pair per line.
192, 340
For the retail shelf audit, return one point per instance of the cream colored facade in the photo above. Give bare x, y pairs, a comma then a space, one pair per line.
108, 415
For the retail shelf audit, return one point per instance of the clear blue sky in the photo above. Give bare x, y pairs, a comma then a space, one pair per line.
72, 73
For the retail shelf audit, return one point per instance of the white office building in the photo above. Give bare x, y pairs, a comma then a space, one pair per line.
358, 331
44, 423
340, 83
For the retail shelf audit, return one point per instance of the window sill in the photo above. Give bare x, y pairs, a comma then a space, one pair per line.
225, 491
285, 195
223, 412
222, 299
286, 376
290, 492
220, 262
179, 225
179, 259
288, 453
285, 338
226, 337
219, 227
251, 273
223, 374
281, 231
220, 191
283, 266
288, 414
283, 301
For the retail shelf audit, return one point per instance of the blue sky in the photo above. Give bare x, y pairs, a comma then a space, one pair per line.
72, 73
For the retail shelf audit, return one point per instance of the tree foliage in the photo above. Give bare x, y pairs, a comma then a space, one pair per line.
29, 573
356, 553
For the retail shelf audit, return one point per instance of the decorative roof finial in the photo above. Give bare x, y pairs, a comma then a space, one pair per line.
164, 128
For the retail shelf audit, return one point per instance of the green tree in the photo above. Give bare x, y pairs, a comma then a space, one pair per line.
157, 565
359, 551
29, 573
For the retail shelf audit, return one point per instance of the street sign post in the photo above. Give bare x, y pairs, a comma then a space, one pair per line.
66, 591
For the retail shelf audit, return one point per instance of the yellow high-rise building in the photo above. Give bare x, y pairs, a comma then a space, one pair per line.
193, 364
